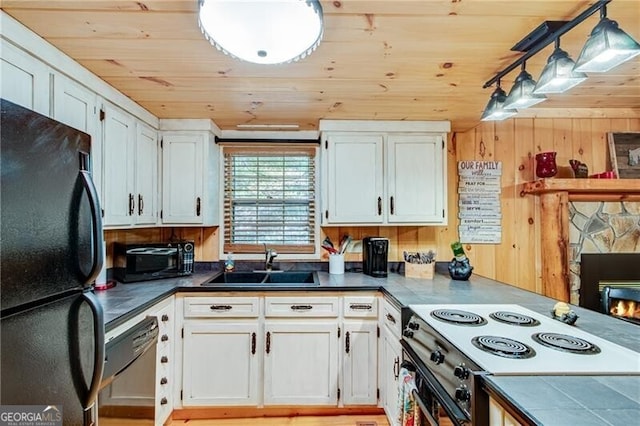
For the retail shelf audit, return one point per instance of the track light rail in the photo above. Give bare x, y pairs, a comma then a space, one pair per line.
548, 40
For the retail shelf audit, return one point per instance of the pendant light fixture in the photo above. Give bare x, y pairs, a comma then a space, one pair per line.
558, 75
521, 94
607, 47
262, 31
495, 110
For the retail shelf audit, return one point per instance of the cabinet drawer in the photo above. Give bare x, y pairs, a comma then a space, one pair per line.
360, 306
391, 318
221, 307
325, 307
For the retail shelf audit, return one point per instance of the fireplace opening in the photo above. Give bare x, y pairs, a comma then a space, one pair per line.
622, 302
614, 270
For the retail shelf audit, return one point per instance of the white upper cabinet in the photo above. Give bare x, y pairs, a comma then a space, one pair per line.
131, 170
354, 183
25, 80
146, 175
190, 180
75, 106
118, 133
383, 172
415, 179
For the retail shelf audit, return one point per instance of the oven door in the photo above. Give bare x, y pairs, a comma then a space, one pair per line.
436, 406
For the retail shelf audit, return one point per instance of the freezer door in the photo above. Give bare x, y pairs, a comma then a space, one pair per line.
50, 218
53, 355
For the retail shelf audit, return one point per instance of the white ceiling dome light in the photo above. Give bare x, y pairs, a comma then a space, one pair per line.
262, 31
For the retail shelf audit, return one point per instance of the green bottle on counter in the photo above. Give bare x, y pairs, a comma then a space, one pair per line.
458, 251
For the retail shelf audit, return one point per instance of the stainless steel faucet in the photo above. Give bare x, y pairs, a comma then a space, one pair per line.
269, 255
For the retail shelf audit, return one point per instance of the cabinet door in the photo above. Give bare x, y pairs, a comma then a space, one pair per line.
75, 106
146, 175
360, 362
391, 354
182, 183
24, 79
118, 135
301, 363
353, 187
220, 363
415, 179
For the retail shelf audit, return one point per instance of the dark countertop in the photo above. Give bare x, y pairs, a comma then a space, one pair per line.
558, 400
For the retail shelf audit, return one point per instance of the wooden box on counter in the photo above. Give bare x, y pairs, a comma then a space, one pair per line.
419, 270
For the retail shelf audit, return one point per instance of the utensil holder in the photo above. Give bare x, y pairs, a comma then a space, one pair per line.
336, 264
419, 270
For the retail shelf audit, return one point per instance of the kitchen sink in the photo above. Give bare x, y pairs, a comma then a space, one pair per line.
267, 279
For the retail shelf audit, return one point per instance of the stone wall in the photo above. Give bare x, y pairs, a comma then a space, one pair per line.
600, 227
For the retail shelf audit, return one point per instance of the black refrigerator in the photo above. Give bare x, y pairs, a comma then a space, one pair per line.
52, 327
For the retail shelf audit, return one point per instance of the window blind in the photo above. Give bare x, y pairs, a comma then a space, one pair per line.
269, 198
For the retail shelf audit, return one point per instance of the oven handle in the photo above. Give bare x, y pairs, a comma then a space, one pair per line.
423, 408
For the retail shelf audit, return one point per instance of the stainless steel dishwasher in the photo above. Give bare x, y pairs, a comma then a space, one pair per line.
128, 381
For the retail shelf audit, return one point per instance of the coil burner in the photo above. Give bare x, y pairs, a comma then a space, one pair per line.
454, 316
566, 343
504, 347
514, 318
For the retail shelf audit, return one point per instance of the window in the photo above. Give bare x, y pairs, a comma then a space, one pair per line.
269, 198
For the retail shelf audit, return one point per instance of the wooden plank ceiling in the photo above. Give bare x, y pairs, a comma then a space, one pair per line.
392, 60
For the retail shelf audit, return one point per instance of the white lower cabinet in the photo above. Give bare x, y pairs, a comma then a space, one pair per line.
301, 362
220, 363
360, 363
390, 359
359, 351
279, 350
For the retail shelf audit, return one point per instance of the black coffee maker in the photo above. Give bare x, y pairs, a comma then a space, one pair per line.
375, 252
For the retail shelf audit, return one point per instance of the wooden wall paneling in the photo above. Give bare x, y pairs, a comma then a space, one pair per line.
426, 238
599, 130
407, 239
506, 268
528, 269
581, 142
445, 235
562, 144
391, 232
543, 135
210, 250
483, 256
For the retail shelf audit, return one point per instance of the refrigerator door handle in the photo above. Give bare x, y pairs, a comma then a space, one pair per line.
96, 222
98, 354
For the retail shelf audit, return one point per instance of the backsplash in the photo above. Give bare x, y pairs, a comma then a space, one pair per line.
600, 227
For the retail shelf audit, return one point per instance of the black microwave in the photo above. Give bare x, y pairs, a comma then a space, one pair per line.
141, 262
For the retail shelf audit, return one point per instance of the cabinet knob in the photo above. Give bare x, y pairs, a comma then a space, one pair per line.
140, 205
347, 342
132, 205
268, 342
253, 343
198, 206
164, 317
164, 338
391, 319
164, 401
164, 359
163, 381
379, 206
396, 367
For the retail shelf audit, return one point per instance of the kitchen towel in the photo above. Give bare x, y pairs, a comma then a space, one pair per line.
409, 411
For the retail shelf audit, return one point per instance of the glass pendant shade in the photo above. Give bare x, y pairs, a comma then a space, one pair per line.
558, 75
607, 47
521, 94
495, 110
262, 31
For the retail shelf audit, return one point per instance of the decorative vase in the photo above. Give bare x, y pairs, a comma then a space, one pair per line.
546, 164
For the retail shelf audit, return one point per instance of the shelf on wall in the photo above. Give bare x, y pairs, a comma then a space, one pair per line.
587, 189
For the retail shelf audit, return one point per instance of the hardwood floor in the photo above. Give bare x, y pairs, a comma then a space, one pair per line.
344, 420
